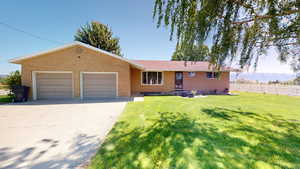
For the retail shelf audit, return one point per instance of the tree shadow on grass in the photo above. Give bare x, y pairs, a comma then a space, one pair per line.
227, 114
80, 150
174, 140
217, 114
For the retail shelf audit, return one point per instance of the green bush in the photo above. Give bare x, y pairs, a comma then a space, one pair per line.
14, 78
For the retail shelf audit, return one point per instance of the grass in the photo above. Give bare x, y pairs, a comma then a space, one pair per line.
245, 131
5, 99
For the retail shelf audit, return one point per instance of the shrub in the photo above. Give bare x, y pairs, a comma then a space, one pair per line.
14, 78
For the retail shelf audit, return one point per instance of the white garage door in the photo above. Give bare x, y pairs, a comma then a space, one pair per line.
99, 85
54, 85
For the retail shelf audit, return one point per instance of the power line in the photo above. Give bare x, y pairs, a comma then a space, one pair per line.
29, 34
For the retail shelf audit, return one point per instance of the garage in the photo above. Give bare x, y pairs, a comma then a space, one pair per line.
98, 85
77, 71
53, 85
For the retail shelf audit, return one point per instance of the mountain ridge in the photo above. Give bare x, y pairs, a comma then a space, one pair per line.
262, 77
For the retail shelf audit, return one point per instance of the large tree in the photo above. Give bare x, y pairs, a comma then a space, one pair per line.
241, 30
100, 36
194, 53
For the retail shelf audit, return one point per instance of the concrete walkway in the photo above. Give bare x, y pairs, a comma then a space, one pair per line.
47, 134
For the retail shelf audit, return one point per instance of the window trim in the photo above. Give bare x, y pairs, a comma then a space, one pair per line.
162, 79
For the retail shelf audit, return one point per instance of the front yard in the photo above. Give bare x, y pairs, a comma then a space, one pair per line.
5, 99
245, 131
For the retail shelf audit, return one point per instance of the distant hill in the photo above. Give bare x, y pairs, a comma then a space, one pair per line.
262, 77
2, 76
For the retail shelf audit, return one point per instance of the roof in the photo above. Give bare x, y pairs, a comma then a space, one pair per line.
164, 65
75, 43
148, 65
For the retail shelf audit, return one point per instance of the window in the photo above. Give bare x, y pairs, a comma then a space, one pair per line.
192, 74
152, 78
212, 75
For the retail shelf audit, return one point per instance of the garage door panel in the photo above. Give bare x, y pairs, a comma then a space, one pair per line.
97, 92
52, 79
104, 85
54, 90
107, 82
54, 85
106, 79
54, 75
103, 95
54, 95
99, 85
102, 89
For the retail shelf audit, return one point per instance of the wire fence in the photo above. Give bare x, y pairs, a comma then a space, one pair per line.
291, 90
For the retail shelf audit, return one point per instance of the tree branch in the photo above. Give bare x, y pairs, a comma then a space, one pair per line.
286, 44
239, 2
267, 16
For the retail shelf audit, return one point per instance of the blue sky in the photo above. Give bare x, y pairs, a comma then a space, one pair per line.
58, 20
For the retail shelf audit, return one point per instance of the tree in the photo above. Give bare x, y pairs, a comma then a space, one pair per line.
14, 78
196, 53
99, 36
241, 30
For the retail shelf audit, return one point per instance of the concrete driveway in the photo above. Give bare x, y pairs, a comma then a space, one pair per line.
48, 134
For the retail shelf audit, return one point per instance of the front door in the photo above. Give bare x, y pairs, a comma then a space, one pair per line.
178, 80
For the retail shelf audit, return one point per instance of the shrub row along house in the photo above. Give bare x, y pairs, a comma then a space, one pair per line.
78, 70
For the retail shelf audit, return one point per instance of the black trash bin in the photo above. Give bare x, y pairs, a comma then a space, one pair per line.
20, 93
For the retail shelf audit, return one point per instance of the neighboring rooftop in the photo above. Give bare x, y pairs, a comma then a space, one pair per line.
165, 65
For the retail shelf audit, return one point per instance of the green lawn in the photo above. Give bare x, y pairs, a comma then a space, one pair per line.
5, 99
245, 131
